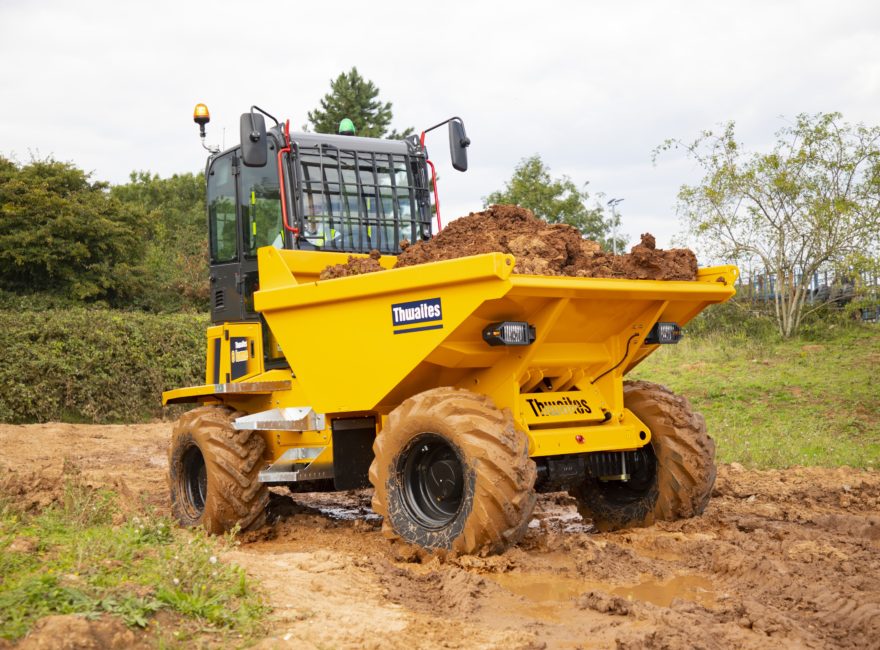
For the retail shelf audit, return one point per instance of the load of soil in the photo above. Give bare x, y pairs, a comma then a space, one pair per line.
539, 248
354, 266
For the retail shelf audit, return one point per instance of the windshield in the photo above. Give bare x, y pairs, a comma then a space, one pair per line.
357, 201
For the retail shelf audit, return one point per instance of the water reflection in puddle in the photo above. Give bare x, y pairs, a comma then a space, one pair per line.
344, 513
341, 507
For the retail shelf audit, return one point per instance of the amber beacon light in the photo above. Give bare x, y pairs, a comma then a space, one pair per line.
201, 116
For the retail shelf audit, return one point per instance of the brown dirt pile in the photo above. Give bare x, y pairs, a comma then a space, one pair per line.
354, 266
71, 632
540, 249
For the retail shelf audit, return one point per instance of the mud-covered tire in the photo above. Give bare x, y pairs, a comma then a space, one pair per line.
453, 430
213, 472
681, 462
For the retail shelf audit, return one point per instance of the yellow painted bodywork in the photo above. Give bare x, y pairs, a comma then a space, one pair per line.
347, 356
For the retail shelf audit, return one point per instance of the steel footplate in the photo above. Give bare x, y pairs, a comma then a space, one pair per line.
302, 418
298, 464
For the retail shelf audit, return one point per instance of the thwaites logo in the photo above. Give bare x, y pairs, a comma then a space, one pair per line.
238, 356
565, 406
239, 351
417, 316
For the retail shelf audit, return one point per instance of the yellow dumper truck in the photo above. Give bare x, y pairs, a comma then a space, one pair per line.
456, 389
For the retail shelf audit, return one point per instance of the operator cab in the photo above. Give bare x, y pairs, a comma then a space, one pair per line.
344, 194
341, 193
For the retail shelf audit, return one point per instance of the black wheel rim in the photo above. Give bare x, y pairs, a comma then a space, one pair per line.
431, 475
195, 480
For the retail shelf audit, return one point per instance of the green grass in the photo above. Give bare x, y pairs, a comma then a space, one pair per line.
772, 403
73, 559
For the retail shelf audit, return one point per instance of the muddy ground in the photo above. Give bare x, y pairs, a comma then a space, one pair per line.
785, 559
539, 248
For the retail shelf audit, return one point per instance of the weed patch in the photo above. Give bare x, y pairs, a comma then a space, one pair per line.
81, 557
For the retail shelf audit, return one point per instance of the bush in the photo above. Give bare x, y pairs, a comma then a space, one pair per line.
63, 233
734, 318
95, 365
744, 320
173, 273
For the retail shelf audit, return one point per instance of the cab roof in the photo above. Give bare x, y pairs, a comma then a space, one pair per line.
352, 142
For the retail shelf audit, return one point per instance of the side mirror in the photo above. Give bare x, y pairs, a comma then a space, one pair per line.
254, 147
458, 144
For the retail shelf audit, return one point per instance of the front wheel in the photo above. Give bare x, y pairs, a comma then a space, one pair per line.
214, 472
452, 472
671, 478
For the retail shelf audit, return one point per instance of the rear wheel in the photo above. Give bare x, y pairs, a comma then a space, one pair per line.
671, 478
213, 472
452, 472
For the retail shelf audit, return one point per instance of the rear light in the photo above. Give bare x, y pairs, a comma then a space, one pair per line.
509, 333
663, 333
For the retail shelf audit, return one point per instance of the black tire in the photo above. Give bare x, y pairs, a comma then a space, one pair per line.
674, 475
452, 472
213, 472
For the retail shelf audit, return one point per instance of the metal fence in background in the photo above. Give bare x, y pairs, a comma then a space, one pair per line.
826, 288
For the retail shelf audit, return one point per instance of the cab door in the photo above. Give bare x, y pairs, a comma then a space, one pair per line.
259, 208
223, 239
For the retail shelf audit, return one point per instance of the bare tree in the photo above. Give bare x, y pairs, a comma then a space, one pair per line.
813, 200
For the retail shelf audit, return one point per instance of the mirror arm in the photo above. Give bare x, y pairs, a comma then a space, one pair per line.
437, 126
466, 141
255, 135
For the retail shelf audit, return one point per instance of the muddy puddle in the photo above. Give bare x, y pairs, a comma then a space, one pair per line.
543, 587
352, 506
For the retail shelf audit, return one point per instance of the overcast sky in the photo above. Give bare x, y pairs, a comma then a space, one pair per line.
592, 87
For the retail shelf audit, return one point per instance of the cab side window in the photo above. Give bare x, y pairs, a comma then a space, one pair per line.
221, 211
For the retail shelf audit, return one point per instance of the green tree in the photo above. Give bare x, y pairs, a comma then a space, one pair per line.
64, 234
813, 200
556, 200
175, 263
356, 98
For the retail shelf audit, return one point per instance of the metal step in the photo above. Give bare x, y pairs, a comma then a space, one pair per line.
300, 418
299, 464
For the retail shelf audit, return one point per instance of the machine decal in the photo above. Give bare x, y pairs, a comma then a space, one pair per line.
238, 352
565, 406
544, 409
406, 314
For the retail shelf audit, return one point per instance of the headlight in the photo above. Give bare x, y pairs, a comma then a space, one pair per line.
509, 333
663, 333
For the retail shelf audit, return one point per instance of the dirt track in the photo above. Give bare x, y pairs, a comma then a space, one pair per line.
780, 559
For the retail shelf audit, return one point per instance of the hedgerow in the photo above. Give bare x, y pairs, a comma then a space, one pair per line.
95, 365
